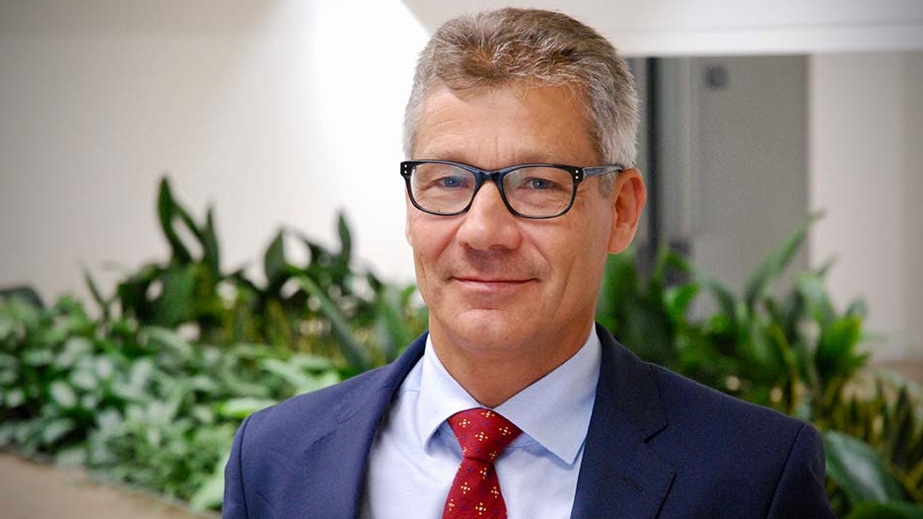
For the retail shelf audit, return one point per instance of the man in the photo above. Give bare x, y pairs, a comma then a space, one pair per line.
521, 130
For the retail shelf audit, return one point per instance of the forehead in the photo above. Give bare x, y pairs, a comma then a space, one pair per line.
502, 126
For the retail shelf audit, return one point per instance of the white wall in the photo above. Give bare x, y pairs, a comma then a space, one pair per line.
913, 204
866, 131
279, 112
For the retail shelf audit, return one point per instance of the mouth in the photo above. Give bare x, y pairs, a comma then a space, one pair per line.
490, 284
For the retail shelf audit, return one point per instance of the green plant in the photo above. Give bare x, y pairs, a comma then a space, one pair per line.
884, 416
794, 352
49, 375
139, 404
312, 307
151, 391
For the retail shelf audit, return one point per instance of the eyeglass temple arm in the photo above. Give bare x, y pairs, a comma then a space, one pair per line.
595, 171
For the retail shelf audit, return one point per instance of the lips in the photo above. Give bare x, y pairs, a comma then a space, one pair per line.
491, 285
491, 280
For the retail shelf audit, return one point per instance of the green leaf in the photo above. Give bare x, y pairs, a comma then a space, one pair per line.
346, 242
140, 373
285, 371
103, 368
353, 351
391, 327
7, 378
235, 386
38, 357
203, 414
835, 356
776, 263
209, 237
811, 287
62, 394
16, 311
74, 349
677, 300
108, 420
15, 398
96, 294
83, 379
7, 325
321, 380
132, 293
859, 470
619, 289
725, 299
274, 263
312, 362
904, 435
8, 361
170, 339
211, 492
857, 308
167, 210
170, 210
176, 304
888, 510
241, 408
74, 457
57, 429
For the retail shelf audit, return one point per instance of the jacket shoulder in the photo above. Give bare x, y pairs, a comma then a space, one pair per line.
691, 404
311, 414
723, 448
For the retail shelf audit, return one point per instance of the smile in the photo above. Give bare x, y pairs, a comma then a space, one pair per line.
486, 285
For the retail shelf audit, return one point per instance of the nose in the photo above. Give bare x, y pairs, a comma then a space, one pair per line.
488, 224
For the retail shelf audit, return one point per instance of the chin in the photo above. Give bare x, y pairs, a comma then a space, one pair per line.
490, 329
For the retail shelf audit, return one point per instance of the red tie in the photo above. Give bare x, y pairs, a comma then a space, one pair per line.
475, 493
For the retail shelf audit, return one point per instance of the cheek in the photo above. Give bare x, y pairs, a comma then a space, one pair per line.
576, 255
429, 237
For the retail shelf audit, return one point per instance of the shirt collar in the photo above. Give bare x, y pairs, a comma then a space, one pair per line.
556, 419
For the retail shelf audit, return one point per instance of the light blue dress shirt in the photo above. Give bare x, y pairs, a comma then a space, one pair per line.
415, 455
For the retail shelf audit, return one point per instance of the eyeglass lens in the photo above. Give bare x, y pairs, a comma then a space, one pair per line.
531, 191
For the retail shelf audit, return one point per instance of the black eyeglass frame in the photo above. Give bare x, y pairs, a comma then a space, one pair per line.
578, 174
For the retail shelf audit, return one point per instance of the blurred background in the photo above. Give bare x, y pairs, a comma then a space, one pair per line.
285, 113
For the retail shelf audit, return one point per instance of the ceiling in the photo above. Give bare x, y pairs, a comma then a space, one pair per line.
712, 27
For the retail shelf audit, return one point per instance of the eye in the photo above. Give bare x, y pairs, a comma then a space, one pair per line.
451, 181
539, 183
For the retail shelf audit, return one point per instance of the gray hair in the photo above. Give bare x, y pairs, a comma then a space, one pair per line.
532, 47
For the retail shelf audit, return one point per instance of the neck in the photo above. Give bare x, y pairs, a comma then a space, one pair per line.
492, 374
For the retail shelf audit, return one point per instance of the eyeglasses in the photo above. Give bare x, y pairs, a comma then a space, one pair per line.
536, 191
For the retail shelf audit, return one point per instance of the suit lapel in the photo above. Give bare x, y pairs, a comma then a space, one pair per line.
344, 449
621, 476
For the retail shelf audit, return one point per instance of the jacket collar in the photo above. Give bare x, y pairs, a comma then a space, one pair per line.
343, 448
620, 473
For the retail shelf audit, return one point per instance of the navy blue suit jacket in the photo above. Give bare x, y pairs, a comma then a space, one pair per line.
659, 445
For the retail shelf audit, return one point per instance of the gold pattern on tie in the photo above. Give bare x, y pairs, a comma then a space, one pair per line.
475, 492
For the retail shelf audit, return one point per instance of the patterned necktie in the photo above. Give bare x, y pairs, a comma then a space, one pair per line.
475, 492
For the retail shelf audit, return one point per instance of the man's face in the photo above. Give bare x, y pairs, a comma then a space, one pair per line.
496, 283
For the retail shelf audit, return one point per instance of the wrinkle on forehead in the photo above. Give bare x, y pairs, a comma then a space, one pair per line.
444, 134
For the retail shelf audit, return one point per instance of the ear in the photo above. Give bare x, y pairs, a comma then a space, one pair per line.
628, 198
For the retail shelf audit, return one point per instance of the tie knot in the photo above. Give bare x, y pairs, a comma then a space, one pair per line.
482, 433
